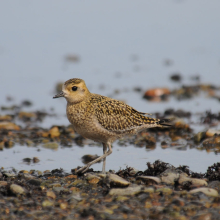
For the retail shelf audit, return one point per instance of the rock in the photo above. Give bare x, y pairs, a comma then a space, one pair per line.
71, 176
205, 216
26, 103
212, 142
51, 194
29, 143
164, 190
2, 145
16, 189
9, 144
54, 132
176, 77
92, 179
196, 182
90, 176
26, 116
75, 197
9, 174
51, 145
23, 171
52, 185
58, 189
35, 160
206, 191
211, 132
215, 185
169, 176
3, 183
180, 124
129, 191
199, 137
47, 203
9, 126
27, 176
157, 94
63, 205
148, 190
121, 198
34, 182
133, 171
5, 118
115, 180
151, 178
73, 58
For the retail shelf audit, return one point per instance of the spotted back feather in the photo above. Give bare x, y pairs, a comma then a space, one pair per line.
116, 116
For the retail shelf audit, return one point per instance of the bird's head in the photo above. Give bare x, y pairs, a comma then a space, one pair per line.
74, 91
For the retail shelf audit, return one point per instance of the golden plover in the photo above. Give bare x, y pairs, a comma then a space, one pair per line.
102, 119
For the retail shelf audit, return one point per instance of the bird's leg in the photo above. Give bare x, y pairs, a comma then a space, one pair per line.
86, 167
104, 160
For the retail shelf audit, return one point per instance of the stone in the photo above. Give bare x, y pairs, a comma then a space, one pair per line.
16, 189
51, 145
151, 178
47, 203
169, 176
34, 182
3, 183
206, 191
54, 132
9, 126
196, 182
129, 191
51, 194
115, 179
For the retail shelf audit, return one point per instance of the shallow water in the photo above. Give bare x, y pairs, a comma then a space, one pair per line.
70, 158
121, 45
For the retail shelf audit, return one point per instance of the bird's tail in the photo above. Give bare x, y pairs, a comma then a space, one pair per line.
164, 123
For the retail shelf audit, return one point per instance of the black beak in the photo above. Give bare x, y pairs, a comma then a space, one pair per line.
61, 94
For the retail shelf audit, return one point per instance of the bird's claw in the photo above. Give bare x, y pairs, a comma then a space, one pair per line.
83, 169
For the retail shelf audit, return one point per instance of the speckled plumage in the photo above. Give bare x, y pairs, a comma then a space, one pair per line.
101, 118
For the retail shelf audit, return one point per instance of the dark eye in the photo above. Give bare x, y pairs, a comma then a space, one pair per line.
74, 88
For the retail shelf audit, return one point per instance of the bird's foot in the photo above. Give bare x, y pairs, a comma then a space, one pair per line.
83, 169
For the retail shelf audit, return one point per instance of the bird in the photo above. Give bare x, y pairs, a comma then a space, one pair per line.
102, 119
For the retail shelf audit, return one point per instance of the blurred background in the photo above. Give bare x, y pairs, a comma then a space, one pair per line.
120, 48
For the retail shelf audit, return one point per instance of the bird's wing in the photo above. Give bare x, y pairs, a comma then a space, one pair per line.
116, 116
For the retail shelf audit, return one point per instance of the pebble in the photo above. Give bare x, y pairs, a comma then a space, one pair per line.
3, 183
212, 142
157, 94
9, 126
51, 194
27, 176
54, 132
115, 179
199, 136
211, 132
58, 189
5, 118
151, 178
9, 174
196, 182
215, 185
34, 182
206, 191
164, 190
51, 145
16, 189
169, 176
129, 191
47, 203
52, 185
